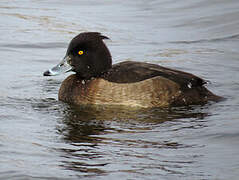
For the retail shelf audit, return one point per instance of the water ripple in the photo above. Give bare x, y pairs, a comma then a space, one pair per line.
221, 39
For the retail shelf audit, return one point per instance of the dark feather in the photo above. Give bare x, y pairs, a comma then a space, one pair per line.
130, 72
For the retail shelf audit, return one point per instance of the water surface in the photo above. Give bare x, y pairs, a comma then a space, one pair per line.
42, 138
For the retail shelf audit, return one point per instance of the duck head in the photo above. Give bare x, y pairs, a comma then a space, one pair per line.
87, 55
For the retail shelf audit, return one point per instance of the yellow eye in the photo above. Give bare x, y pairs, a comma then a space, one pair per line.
80, 52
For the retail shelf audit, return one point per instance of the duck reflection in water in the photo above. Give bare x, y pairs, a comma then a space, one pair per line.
90, 130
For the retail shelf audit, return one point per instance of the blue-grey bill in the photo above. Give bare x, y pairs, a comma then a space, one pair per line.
60, 68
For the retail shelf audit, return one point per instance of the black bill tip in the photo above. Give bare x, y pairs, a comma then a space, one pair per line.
47, 73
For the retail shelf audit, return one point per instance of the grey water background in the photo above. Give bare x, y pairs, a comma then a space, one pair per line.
42, 138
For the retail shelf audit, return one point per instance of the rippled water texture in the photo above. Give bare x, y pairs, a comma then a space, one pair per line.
42, 138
